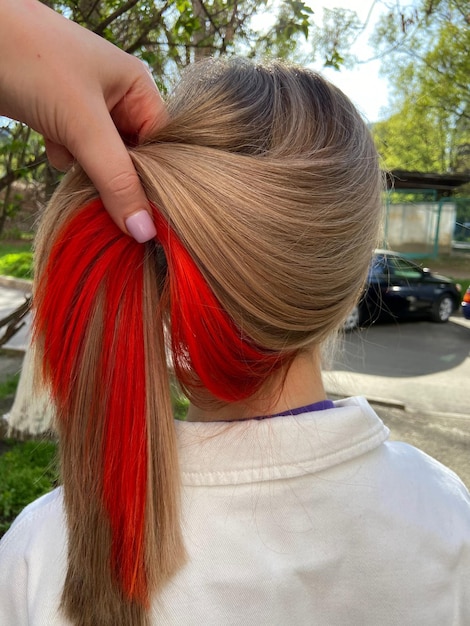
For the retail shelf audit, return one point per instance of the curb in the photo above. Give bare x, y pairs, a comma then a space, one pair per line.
12, 351
413, 411
19, 284
388, 404
437, 414
401, 406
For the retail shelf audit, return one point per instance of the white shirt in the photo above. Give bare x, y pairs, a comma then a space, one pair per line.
310, 519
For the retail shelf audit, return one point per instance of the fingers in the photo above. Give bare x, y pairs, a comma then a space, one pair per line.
58, 156
111, 93
141, 111
106, 161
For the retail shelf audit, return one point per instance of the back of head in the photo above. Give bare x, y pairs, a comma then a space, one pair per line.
270, 177
266, 191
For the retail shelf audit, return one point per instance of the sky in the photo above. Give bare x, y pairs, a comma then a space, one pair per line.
363, 85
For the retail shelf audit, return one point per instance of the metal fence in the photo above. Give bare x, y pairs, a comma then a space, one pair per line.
418, 224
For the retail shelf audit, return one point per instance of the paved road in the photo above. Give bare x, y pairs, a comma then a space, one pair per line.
419, 365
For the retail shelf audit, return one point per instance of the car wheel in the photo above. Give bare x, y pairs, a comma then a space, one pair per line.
353, 320
442, 309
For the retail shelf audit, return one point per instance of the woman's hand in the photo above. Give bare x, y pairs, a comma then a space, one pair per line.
82, 94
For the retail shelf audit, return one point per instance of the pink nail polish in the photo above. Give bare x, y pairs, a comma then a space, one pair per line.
141, 226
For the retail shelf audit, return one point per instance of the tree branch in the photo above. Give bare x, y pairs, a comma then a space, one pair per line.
117, 13
10, 177
142, 38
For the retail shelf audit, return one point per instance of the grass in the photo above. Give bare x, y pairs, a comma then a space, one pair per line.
27, 471
27, 468
14, 247
17, 264
8, 386
451, 264
16, 259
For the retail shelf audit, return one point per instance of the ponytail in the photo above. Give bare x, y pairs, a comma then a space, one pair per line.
99, 328
121, 502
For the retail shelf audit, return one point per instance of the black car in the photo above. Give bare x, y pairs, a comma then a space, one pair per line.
398, 289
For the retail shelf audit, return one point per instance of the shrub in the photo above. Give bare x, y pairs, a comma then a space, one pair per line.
17, 264
180, 405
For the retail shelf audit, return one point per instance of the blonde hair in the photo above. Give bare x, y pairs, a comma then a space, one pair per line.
268, 179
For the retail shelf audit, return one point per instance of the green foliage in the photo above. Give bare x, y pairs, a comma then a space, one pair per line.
17, 234
333, 40
8, 386
404, 145
179, 402
180, 407
289, 31
17, 264
424, 47
462, 230
8, 247
400, 196
27, 471
12, 203
22, 157
465, 283
21, 150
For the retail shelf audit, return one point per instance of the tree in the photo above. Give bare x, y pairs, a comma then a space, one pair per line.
167, 35
22, 158
335, 37
170, 34
424, 47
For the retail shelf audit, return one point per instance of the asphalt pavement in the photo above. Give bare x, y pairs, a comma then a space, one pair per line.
419, 365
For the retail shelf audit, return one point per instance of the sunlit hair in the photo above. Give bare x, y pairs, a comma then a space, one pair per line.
265, 188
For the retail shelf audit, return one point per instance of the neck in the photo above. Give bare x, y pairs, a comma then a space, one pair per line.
298, 385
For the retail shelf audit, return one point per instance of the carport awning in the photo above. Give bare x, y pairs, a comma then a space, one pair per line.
444, 184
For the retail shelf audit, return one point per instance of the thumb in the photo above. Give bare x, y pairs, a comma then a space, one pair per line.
105, 159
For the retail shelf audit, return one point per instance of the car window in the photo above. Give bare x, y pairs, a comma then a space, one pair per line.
404, 269
378, 267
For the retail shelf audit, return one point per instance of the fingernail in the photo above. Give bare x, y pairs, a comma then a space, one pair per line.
141, 227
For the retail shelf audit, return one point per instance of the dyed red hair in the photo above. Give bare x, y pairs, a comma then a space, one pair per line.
208, 349
94, 269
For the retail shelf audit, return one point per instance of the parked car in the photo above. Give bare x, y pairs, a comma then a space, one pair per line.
466, 304
399, 289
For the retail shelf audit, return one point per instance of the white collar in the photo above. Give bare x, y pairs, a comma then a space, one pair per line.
212, 453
